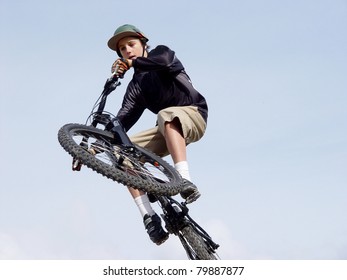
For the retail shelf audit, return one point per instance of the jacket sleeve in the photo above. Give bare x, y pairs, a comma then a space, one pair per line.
159, 59
132, 107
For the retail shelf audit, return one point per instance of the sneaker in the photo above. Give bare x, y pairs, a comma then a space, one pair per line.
154, 229
190, 192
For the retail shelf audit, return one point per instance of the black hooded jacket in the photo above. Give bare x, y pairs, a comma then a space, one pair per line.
159, 82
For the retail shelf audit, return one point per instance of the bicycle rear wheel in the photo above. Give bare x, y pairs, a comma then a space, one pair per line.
195, 245
134, 167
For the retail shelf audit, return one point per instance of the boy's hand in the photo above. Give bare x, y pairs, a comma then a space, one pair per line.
120, 66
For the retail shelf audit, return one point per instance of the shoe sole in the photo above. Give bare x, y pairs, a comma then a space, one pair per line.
163, 240
193, 197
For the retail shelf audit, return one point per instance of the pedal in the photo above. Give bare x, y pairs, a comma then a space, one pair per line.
76, 165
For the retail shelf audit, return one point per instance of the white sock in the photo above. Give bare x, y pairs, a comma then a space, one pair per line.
144, 205
183, 169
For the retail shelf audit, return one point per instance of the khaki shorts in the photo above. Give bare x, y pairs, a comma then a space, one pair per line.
193, 127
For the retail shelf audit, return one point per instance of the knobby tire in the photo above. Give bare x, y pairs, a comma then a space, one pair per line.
196, 244
121, 166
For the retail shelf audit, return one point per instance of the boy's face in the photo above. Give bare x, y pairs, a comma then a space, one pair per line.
131, 48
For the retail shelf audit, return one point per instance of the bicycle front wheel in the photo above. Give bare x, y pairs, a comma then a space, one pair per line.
131, 166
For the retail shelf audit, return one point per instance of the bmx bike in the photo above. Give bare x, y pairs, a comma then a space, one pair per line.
105, 147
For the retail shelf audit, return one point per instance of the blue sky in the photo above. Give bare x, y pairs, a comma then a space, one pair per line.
271, 167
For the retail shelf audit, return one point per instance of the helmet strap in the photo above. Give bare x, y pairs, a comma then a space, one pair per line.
144, 48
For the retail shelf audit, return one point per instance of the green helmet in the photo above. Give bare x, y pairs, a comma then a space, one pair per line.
125, 31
